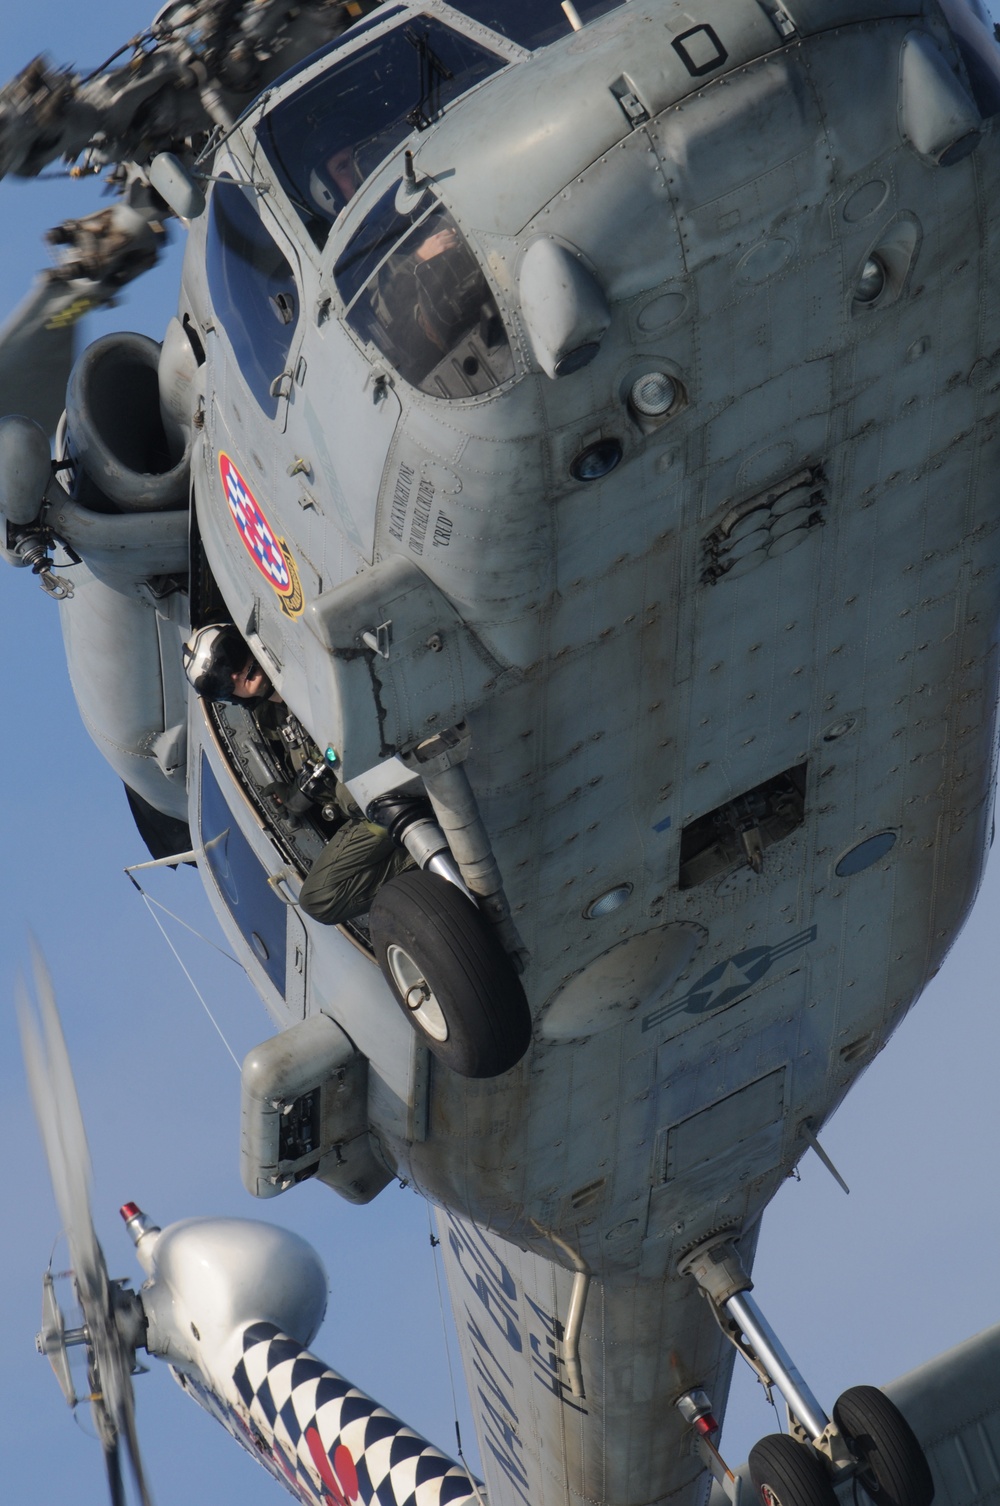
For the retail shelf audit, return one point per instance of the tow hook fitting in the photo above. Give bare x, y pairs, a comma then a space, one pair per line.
33, 549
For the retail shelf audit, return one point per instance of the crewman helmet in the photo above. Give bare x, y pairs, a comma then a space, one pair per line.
212, 656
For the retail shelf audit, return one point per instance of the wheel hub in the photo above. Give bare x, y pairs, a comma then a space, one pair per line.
416, 993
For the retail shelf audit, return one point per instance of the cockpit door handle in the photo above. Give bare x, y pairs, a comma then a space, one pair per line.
282, 385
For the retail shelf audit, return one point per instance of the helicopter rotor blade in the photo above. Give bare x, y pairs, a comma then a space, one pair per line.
99, 255
189, 75
112, 1431
37, 350
128, 1430
113, 1469
109, 1312
113, 1403
57, 1109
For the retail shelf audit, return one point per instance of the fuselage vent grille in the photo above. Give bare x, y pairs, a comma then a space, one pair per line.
774, 522
583, 1197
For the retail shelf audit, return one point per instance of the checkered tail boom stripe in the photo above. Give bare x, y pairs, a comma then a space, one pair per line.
331, 1444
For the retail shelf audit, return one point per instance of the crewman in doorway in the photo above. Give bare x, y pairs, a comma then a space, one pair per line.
360, 856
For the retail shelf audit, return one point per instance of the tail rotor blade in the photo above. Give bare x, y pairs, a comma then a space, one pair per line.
132, 1446
114, 1408
112, 1465
57, 1109
109, 1312
41, 1097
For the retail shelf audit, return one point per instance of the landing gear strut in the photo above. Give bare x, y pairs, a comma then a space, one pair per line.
868, 1437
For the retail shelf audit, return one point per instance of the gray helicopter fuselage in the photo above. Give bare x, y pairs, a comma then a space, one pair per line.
625, 666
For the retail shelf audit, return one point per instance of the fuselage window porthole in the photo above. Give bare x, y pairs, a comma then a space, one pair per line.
865, 854
242, 881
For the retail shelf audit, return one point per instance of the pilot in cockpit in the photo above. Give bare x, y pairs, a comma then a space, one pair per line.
427, 289
336, 181
360, 856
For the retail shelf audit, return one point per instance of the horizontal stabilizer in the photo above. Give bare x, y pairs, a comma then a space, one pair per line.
953, 1405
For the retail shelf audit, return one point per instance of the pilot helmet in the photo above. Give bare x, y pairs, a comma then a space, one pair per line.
334, 181
327, 199
211, 656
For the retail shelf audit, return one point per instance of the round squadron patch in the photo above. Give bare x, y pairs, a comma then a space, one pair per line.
270, 554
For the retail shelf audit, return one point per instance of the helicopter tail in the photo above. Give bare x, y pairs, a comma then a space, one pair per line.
325, 1440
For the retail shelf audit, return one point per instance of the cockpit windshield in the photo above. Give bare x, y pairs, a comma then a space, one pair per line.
531, 23
327, 138
413, 288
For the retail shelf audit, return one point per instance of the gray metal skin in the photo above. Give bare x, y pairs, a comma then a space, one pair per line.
613, 694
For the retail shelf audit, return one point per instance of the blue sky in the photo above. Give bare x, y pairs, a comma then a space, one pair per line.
861, 1288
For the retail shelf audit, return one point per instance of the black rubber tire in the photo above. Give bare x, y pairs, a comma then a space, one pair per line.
896, 1472
472, 978
788, 1473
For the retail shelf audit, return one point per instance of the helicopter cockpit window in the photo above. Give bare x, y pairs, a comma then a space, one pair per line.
531, 23
327, 138
414, 289
252, 287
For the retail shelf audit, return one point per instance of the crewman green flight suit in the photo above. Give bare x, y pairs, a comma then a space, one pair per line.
358, 859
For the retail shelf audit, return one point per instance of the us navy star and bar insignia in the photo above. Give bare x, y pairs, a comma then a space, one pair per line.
269, 553
730, 980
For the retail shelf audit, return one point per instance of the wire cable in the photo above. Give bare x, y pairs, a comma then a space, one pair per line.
188, 976
181, 922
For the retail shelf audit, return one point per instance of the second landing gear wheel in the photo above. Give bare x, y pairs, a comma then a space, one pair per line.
788, 1473
894, 1468
453, 980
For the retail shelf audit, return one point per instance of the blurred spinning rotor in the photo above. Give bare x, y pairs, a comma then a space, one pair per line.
113, 1320
177, 86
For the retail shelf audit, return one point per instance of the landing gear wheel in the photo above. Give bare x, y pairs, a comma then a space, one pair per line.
451, 977
894, 1471
788, 1473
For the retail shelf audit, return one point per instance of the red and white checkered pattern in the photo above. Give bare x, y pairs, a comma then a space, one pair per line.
328, 1441
253, 527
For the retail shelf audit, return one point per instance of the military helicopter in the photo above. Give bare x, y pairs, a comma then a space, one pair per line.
549, 471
